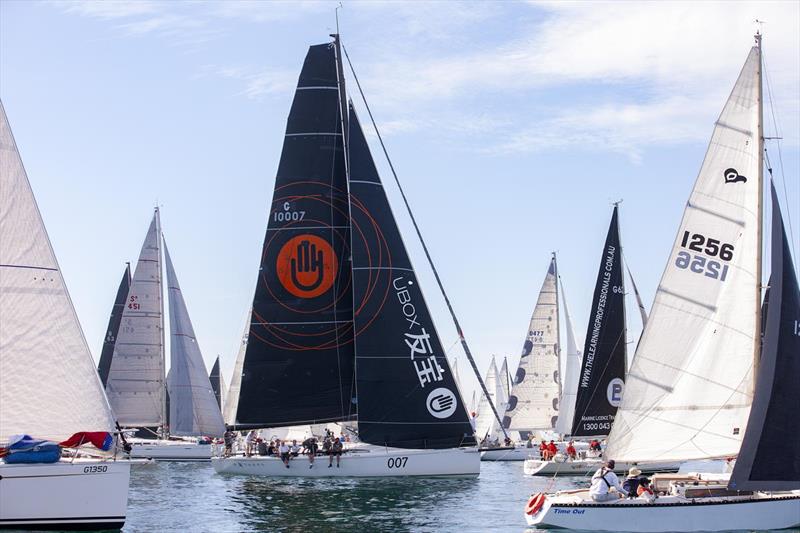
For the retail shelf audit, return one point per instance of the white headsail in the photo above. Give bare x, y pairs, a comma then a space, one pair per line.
533, 402
193, 408
49, 387
569, 385
231, 403
135, 384
505, 383
688, 392
486, 423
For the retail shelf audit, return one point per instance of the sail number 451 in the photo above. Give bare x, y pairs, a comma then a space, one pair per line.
708, 247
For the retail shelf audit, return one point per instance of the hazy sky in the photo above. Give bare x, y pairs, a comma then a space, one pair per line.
513, 126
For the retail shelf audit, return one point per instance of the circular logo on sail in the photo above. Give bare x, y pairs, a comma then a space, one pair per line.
614, 391
441, 403
306, 266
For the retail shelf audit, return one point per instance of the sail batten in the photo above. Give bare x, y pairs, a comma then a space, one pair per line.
691, 378
42, 345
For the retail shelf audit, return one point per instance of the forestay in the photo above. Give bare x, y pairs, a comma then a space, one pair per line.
602, 376
407, 397
533, 402
135, 385
193, 408
770, 455
49, 386
688, 391
569, 385
114, 322
299, 364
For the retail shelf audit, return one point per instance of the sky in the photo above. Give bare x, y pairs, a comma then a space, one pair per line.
513, 127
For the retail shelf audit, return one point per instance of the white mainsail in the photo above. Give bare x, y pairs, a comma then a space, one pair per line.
569, 385
49, 386
486, 423
135, 384
533, 402
688, 392
193, 408
231, 403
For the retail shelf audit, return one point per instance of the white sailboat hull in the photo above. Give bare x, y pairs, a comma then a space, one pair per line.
580, 467
669, 514
370, 461
169, 450
509, 454
82, 494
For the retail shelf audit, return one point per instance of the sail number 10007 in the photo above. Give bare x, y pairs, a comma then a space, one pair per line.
703, 264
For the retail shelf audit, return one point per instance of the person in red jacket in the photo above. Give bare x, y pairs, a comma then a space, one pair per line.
571, 452
543, 451
552, 450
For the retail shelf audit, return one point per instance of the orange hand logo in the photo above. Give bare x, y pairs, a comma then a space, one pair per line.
306, 266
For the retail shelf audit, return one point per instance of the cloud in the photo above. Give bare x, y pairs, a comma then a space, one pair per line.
258, 83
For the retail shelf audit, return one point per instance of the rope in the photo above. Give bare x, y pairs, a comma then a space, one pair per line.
425, 247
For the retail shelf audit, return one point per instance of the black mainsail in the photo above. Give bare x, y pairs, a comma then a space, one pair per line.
407, 395
114, 321
299, 363
602, 378
769, 458
215, 376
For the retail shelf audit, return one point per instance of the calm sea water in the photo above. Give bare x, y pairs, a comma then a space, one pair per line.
192, 497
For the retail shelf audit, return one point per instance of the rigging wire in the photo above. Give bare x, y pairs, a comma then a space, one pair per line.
425, 247
778, 137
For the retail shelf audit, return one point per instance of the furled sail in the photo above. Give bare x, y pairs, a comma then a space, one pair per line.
135, 385
688, 391
533, 401
217, 383
193, 409
114, 322
49, 386
299, 363
569, 385
407, 397
770, 455
486, 424
602, 376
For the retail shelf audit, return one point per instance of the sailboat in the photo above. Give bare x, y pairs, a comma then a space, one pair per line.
340, 331
141, 395
532, 397
703, 384
48, 384
487, 429
601, 380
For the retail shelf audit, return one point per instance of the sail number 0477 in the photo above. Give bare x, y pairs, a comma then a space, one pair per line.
703, 265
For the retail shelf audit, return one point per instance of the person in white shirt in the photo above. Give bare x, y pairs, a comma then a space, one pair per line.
250, 442
603, 481
283, 450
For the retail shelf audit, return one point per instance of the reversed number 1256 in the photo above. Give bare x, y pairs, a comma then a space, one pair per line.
699, 264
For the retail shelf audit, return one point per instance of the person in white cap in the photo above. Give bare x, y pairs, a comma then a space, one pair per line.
605, 484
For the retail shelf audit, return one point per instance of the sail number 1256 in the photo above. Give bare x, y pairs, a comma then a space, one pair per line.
703, 264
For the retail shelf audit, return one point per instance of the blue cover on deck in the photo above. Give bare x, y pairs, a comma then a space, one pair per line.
25, 449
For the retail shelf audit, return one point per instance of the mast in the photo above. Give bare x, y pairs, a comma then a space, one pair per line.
164, 428
760, 231
558, 333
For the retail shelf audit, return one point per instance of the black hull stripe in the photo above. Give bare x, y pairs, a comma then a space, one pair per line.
86, 523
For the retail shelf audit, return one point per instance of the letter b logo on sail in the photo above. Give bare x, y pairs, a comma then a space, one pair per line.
614, 391
306, 266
